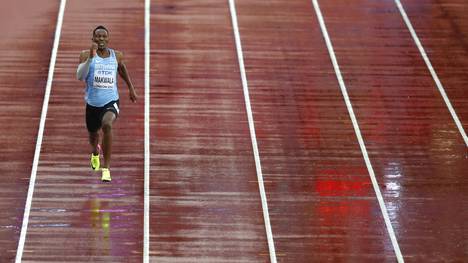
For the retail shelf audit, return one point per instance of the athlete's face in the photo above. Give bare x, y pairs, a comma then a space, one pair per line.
101, 38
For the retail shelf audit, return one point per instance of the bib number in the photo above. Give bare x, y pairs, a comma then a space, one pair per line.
104, 76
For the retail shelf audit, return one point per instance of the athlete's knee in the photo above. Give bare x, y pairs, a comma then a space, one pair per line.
106, 126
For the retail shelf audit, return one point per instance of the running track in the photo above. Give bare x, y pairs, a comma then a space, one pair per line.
205, 199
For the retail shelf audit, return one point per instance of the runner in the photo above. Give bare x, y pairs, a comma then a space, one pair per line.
98, 68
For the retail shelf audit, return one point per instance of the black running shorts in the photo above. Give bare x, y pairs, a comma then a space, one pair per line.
94, 114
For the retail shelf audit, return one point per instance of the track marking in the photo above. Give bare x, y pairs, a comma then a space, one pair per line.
357, 130
147, 134
37, 153
240, 56
431, 69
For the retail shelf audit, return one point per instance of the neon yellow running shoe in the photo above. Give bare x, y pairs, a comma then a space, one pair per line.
95, 163
105, 175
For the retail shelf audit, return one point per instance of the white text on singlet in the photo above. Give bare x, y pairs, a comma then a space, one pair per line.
104, 76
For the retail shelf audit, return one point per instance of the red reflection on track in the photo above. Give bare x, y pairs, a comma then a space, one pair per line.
348, 186
341, 188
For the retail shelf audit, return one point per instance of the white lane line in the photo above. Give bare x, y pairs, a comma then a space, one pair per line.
37, 153
433, 73
240, 56
357, 130
147, 134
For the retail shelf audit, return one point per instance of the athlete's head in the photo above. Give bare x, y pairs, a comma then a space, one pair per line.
101, 37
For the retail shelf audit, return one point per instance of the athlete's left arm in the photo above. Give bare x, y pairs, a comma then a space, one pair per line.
122, 69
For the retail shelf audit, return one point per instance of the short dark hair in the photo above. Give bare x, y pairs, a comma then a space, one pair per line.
100, 27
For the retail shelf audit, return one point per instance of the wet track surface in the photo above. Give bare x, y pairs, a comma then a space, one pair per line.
205, 204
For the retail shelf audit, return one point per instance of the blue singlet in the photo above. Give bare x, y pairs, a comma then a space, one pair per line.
101, 82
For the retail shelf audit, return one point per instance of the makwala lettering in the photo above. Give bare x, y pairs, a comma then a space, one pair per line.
104, 76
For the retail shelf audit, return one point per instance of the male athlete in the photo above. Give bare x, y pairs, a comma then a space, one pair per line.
98, 68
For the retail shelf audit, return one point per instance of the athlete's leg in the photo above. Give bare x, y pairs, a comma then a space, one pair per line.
94, 141
93, 123
107, 121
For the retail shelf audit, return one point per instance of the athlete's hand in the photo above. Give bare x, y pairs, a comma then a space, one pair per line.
92, 50
133, 96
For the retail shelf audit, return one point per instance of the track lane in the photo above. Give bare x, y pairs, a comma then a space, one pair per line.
25, 49
205, 204
416, 149
322, 204
75, 217
442, 28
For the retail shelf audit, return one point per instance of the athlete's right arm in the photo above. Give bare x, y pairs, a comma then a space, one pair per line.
85, 60
83, 68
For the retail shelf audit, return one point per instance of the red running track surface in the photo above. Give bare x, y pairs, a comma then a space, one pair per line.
322, 204
418, 154
25, 47
205, 202
204, 199
74, 217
